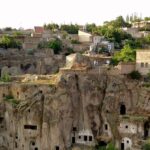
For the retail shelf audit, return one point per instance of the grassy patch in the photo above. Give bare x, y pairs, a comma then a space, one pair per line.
10, 99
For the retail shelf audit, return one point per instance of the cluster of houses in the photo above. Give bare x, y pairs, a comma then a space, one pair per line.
142, 63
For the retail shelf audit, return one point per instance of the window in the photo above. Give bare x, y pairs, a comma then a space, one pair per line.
57, 147
126, 127
73, 140
142, 65
85, 138
90, 138
122, 109
32, 127
74, 129
127, 141
106, 127
16, 145
146, 65
33, 143
1, 119
36, 148
79, 137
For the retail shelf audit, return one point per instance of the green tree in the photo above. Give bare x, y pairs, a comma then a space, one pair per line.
71, 29
51, 26
90, 27
9, 42
127, 54
56, 45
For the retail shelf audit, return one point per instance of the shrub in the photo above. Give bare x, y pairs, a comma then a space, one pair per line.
10, 99
146, 146
135, 75
5, 78
69, 51
75, 42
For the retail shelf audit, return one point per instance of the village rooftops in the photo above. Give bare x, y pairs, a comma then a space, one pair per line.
38, 29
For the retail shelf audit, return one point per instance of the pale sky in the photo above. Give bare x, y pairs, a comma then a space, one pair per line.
29, 13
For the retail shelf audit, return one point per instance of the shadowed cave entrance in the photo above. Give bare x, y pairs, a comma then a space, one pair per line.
146, 129
122, 109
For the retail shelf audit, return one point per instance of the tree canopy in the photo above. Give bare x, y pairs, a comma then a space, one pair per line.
54, 44
9, 42
71, 29
127, 54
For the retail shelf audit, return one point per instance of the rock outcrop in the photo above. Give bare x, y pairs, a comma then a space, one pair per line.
77, 111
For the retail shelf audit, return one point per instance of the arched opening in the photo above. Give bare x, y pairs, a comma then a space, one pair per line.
106, 127
122, 109
57, 148
122, 146
146, 129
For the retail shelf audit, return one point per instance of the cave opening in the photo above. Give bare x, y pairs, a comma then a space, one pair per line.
32, 127
122, 109
122, 146
146, 129
57, 147
106, 127
73, 140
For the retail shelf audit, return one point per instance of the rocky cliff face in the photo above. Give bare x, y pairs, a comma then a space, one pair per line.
80, 110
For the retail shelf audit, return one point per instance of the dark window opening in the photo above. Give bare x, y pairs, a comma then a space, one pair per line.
146, 65
122, 109
32, 127
16, 137
74, 129
57, 147
73, 140
85, 138
4, 95
122, 146
41, 91
2, 126
142, 64
146, 129
36, 148
90, 138
33, 143
79, 137
16, 145
106, 127
127, 141
22, 66
1, 119
126, 127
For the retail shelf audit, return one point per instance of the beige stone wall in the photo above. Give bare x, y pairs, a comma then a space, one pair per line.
143, 61
126, 68
84, 37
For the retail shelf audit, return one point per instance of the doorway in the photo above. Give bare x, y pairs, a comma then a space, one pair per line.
122, 109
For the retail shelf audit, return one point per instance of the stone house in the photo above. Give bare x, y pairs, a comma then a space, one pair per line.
134, 32
143, 61
84, 36
85, 137
142, 24
31, 42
